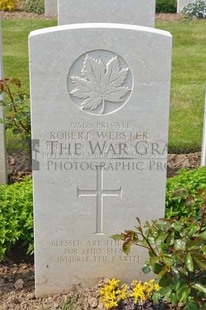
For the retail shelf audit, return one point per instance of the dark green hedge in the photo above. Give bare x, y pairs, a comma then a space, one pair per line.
166, 6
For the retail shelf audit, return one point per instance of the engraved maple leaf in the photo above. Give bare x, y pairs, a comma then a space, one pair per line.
99, 84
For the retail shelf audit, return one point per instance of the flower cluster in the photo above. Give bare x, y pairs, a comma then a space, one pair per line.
196, 9
143, 291
8, 5
112, 294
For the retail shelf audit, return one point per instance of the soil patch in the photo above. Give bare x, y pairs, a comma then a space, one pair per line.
24, 15
168, 17
17, 293
19, 164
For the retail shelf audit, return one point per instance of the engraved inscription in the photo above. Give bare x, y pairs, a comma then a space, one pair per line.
102, 85
99, 193
93, 251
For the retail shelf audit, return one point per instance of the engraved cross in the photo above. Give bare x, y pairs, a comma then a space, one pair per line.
99, 193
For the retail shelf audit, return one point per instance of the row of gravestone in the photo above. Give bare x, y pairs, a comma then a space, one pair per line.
100, 106
51, 5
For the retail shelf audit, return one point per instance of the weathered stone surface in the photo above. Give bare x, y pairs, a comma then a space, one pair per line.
100, 122
141, 12
50, 7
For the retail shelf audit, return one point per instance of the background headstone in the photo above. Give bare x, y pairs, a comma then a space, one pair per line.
3, 174
50, 8
135, 12
100, 115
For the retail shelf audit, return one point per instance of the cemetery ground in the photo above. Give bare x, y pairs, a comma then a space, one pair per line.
17, 273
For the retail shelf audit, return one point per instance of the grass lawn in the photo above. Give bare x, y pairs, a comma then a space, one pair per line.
188, 73
15, 46
188, 84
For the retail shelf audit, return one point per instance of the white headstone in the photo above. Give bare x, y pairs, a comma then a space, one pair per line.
182, 3
133, 12
50, 7
100, 101
3, 174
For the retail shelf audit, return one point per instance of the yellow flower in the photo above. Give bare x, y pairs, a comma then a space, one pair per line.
123, 292
113, 282
8, 5
111, 294
143, 291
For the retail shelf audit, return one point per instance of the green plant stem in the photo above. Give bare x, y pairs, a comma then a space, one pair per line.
13, 105
149, 244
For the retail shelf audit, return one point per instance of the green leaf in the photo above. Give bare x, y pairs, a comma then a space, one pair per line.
154, 260
174, 299
166, 292
147, 224
156, 297
203, 235
192, 305
165, 281
189, 262
138, 220
200, 260
179, 245
195, 244
126, 247
160, 270
177, 225
146, 269
118, 237
167, 260
157, 268
199, 287
183, 293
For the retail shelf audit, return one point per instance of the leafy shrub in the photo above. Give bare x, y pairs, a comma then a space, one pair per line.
8, 5
35, 6
16, 216
177, 254
182, 196
196, 9
166, 6
17, 111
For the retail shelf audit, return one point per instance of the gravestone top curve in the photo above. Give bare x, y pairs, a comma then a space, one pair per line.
98, 26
